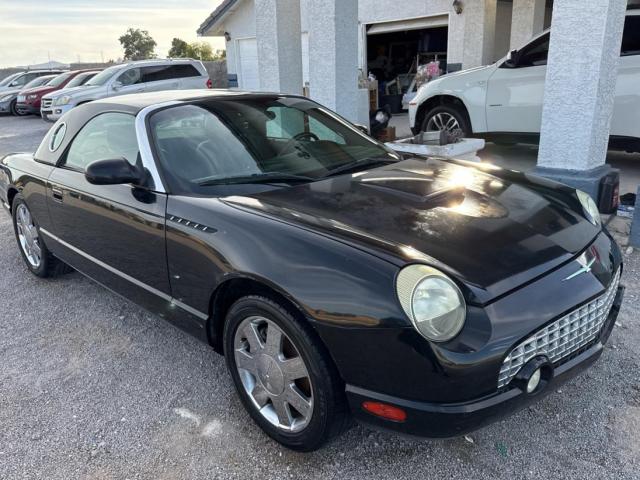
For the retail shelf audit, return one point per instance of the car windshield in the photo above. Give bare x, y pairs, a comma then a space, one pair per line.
59, 80
6, 81
258, 139
104, 76
79, 79
36, 82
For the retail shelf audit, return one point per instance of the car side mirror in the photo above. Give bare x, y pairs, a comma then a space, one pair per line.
112, 172
512, 59
116, 85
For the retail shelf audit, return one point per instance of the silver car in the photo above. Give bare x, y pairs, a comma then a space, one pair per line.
132, 77
8, 98
19, 80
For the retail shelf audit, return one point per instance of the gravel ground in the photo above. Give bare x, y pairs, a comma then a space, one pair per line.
93, 387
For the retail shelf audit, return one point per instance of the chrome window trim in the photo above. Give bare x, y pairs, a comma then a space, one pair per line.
144, 143
129, 278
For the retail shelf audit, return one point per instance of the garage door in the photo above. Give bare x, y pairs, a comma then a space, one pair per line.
417, 23
248, 78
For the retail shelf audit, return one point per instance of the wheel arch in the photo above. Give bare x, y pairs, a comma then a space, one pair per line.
231, 290
436, 101
11, 195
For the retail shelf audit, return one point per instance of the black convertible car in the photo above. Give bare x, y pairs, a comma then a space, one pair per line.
338, 278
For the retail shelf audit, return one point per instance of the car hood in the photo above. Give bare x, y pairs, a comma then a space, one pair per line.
66, 91
12, 91
38, 90
492, 229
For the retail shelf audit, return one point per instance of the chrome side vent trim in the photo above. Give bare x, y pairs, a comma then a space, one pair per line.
191, 224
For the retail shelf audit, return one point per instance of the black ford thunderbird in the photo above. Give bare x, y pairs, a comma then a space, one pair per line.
340, 279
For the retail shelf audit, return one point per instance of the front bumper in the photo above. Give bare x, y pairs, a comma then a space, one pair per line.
442, 420
54, 112
29, 107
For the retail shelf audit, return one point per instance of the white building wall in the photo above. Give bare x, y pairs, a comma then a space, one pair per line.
242, 24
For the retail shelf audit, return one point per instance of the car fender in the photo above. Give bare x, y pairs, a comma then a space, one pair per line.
468, 86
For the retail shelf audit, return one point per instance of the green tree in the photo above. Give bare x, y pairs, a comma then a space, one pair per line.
200, 51
137, 44
179, 48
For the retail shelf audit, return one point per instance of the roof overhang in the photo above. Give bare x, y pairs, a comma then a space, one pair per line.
212, 26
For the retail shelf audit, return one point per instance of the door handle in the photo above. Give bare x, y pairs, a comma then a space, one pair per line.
56, 193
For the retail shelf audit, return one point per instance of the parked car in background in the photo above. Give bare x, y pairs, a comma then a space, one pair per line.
29, 100
503, 101
8, 98
421, 295
20, 79
77, 81
134, 77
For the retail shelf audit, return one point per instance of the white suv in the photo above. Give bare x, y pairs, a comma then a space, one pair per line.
132, 77
503, 101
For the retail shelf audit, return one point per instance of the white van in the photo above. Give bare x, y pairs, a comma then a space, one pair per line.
132, 77
503, 101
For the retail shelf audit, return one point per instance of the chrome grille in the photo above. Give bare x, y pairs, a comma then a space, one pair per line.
562, 337
46, 102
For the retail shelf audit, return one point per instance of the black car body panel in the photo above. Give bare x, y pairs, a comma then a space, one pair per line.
411, 210
333, 249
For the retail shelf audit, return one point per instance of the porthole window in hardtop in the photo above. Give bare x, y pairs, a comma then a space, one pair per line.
57, 137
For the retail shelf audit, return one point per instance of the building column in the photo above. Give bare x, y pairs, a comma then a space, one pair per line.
479, 32
278, 35
333, 50
527, 20
579, 91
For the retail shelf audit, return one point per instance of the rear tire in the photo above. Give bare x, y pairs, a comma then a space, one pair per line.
447, 117
263, 385
37, 257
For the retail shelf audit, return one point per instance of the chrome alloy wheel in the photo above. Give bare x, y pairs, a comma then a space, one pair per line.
443, 121
28, 236
273, 374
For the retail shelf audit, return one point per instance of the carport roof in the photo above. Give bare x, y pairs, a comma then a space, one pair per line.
216, 16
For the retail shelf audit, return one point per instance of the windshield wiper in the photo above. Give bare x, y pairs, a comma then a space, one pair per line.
357, 164
272, 177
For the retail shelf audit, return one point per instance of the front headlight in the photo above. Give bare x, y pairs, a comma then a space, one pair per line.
432, 301
590, 208
31, 97
62, 100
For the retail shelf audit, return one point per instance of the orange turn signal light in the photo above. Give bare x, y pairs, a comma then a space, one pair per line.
383, 410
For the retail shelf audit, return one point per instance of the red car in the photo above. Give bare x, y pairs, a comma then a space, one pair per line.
29, 100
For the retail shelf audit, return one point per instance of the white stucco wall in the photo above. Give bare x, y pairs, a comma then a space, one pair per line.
241, 24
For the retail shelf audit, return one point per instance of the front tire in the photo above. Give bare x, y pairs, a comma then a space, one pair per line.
449, 118
39, 260
284, 379
15, 111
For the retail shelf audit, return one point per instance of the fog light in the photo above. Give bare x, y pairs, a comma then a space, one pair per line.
534, 381
534, 375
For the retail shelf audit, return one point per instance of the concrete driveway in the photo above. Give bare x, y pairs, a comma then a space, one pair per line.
93, 387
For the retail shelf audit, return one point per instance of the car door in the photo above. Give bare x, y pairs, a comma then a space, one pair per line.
159, 77
113, 233
189, 75
515, 91
129, 81
626, 112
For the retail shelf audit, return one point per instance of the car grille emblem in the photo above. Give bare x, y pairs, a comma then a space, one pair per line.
586, 267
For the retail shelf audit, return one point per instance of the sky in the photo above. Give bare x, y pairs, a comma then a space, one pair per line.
31, 31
